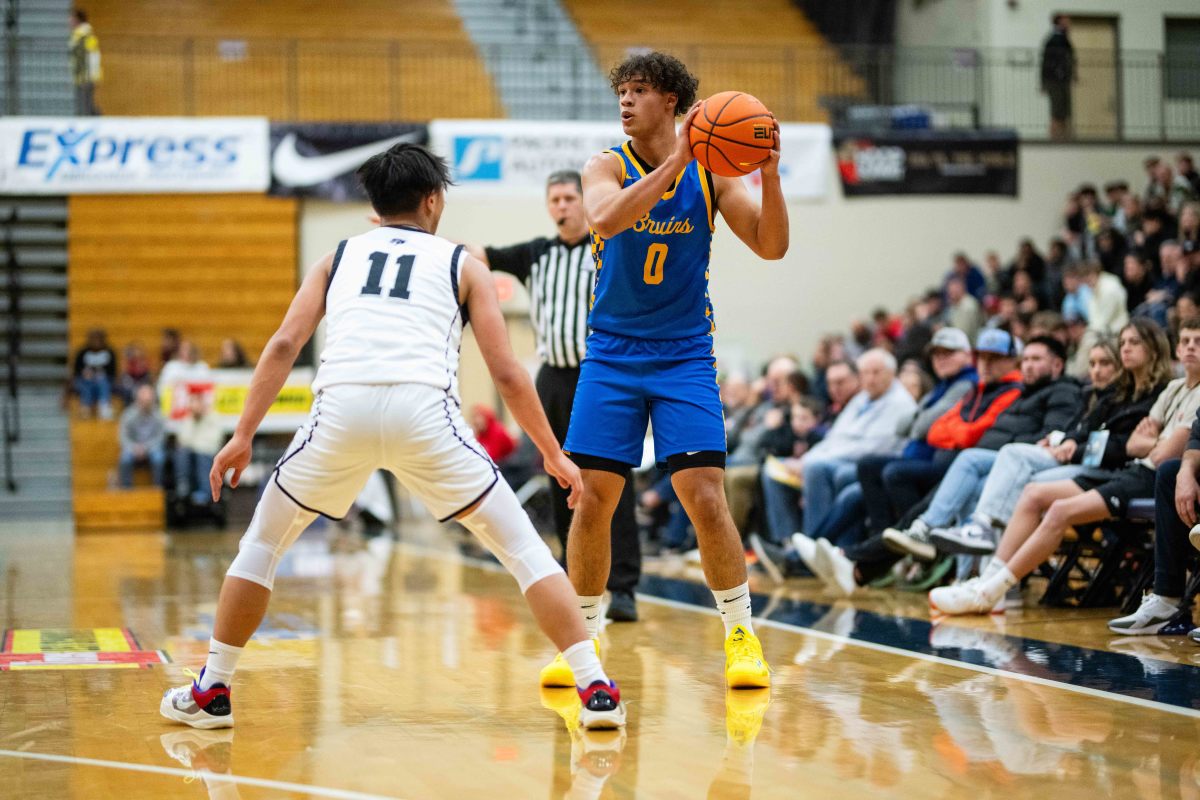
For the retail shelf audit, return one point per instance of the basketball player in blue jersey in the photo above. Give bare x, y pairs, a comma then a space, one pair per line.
652, 210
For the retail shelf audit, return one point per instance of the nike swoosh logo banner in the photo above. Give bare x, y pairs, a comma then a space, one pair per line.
320, 159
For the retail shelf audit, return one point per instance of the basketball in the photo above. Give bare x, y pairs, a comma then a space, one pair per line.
732, 135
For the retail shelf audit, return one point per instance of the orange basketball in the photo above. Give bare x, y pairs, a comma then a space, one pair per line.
732, 135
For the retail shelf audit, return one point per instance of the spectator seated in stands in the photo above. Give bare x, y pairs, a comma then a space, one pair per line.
765, 432
497, 442
1048, 402
142, 436
1125, 383
198, 439
232, 356
1046, 510
93, 376
974, 281
828, 472
1138, 276
1164, 609
135, 372
186, 367
962, 309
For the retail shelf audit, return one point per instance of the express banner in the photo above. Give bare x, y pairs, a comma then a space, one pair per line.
319, 159
514, 157
927, 162
106, 155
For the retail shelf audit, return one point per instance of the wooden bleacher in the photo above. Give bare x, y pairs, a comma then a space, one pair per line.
99, 509
365, 60
767, 48
213, 266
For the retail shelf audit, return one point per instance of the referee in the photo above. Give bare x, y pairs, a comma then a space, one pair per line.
559, 275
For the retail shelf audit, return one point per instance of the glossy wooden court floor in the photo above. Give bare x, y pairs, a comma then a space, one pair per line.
404, 671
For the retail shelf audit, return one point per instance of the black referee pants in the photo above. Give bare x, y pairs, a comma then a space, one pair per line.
556, 388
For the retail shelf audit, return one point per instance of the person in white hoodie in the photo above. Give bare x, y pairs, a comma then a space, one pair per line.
199, 438
868, 425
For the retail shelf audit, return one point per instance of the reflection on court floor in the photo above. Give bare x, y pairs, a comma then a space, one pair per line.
403, 670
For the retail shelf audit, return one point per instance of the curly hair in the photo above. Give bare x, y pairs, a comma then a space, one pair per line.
664, 72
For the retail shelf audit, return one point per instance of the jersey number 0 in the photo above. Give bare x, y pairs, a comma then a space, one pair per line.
656, 260
403, 275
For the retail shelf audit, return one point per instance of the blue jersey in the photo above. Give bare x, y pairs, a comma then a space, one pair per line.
652, 278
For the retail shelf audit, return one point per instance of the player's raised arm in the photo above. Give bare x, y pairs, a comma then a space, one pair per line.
274, 366
478, 291
611, 209
764, 229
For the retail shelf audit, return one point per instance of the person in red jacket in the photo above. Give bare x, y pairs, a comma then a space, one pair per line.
496, 440
999, 387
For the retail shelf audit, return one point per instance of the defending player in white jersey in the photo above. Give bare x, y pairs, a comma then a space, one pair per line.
396, 300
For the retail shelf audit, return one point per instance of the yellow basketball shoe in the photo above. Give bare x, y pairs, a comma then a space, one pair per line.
744, 712
745, 667
557, 674
564, 702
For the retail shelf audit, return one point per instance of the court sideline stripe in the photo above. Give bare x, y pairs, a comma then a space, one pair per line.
263, 783
896, 651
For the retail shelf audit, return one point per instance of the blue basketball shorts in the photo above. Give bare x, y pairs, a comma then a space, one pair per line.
625, 383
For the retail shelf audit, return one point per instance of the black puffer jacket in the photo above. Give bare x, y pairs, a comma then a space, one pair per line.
1119, 416
1047, 405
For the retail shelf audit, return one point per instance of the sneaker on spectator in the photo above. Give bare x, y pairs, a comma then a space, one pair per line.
834, 569
913, 542
770, 557
1151, 617
1195, 635
1179, 625
971, 539
806, 549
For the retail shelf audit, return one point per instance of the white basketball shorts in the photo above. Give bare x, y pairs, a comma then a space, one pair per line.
415, 431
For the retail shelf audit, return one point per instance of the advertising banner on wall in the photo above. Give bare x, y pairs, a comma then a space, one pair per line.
515, 156
225, 391
319, 159
120, 155
927, 162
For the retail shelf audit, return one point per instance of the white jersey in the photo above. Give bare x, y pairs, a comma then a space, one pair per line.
392, 311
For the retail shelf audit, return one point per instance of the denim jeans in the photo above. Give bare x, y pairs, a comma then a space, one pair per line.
191, 474
782, 509
1015, 466
959, 490
155, 458
94, 391
823, 482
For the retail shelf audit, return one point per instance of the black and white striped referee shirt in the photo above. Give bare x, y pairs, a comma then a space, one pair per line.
559, 277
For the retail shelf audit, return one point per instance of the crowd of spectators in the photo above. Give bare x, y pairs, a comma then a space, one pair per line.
98, 378
959, 438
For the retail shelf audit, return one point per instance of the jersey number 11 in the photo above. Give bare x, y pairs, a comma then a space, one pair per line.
403, 275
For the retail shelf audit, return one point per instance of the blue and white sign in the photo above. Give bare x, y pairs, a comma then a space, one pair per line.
498, 156
111, 155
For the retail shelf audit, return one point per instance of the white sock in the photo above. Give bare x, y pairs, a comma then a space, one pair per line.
585, 664
1173, 601
990, 568
1000, 581
734, 605
590, 606
222, 661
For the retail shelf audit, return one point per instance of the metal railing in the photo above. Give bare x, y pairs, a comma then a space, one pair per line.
1126, 95
9, 408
